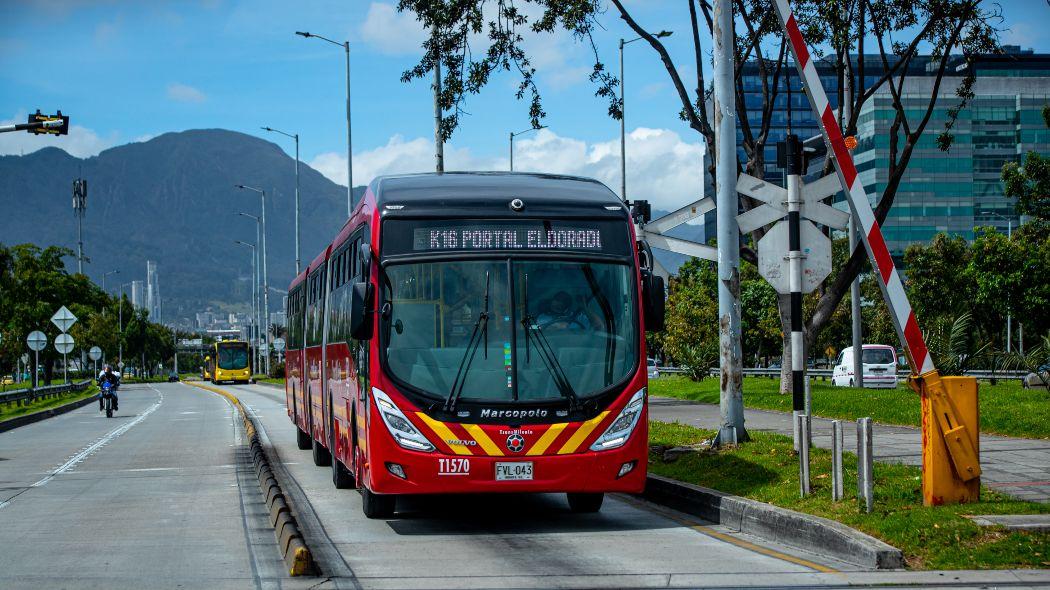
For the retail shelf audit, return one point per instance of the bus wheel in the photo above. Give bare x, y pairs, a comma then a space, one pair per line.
376, 505
302, 439
585, 502
341, 476
322, 458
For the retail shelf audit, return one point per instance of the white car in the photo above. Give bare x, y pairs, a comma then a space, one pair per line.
879, 366
654, 372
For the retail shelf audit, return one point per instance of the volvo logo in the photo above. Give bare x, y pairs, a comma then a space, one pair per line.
515, 443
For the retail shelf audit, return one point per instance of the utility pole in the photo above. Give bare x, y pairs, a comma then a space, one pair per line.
439, 142
857, 338
731, 399
623, 130
79, 209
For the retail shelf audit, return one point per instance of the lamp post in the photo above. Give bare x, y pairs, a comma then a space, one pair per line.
296, 138
106, 274
255, 286
513, 135
120, 329
266, 283
1009, 315
254, 327
623, 116
349, 165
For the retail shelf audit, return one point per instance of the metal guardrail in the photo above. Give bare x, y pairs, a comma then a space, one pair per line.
825, 374
27, 396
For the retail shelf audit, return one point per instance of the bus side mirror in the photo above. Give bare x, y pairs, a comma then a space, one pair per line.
654, 304
360, 318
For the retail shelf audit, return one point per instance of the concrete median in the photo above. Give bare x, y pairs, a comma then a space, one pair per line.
297, 556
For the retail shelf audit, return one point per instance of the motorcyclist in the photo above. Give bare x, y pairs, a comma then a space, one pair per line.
108, 376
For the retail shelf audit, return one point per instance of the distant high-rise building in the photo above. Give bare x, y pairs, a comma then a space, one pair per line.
138, 294
152, 291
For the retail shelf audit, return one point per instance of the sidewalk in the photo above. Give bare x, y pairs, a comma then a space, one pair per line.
1019, 467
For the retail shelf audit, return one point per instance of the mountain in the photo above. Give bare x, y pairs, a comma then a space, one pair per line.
172, 200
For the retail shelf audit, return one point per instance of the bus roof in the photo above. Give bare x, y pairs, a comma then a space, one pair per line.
473, 189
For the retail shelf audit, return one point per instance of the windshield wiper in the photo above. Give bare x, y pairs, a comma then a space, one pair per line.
480, 332
610, 322
550, 360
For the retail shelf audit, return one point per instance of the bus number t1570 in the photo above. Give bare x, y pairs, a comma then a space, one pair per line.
454, 466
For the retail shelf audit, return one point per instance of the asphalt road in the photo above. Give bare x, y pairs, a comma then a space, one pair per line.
163, 496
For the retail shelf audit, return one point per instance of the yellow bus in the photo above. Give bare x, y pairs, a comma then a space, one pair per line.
229, 361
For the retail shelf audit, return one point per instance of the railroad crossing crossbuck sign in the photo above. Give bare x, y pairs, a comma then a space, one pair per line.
816, 247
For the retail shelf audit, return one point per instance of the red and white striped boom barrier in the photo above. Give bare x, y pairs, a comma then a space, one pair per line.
963, 452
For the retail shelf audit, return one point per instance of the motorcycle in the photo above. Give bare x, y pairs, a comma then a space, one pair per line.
107, 399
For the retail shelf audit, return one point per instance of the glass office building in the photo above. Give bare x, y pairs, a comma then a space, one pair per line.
941, 191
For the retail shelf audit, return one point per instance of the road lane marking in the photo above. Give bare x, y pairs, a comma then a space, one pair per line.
77, 458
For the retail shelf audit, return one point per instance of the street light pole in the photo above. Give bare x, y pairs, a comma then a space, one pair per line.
120, 330
623, 117
106, 274
515, 134
349, 149
296, 138
254, 325
266, 284
256, 322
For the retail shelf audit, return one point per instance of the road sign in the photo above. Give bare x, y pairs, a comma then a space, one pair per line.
278, 344
773, 261
64, 319
36, 341
64, 343
95, 353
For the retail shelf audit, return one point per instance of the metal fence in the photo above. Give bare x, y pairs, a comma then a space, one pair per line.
825, 374
24, 397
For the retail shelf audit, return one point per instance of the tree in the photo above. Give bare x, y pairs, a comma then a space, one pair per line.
1030, 184
899, 28
691, 338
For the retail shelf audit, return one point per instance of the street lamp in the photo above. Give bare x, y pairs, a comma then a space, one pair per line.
254, 327
296, 138
349, 152
255, 288
513, 135
266, 292
106, 274
623, 117
1009, 237
120, 329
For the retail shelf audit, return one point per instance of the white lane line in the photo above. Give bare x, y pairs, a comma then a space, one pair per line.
92, 447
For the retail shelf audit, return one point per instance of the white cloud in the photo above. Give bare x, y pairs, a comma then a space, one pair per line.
81, 141
392, 32
185, 93
661, 166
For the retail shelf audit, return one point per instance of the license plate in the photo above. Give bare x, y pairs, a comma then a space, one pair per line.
878, 370
514, 471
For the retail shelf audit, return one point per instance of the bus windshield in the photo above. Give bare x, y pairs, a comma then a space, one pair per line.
513, 330
233, 356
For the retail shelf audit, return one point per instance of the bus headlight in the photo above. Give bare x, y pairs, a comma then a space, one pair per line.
403, 431
620, 430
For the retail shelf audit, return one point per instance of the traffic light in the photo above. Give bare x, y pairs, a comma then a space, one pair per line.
57, 124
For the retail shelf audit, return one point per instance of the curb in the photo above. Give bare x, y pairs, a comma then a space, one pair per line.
45, 414
297, 556
794, 529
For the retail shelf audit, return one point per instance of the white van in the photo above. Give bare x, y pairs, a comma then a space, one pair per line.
880, 367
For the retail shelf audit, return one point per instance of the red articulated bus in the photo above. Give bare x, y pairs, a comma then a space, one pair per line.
476, 332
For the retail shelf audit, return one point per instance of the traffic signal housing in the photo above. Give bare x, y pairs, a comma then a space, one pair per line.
57, 124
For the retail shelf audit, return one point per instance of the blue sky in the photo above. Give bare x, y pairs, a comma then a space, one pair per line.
127, 71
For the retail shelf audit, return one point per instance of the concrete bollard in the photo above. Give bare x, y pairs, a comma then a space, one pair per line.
802, 426
836, 460
865, 480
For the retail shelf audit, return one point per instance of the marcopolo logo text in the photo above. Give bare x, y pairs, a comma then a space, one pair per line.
486, 413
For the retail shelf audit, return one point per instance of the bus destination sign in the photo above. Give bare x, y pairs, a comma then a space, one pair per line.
463, 237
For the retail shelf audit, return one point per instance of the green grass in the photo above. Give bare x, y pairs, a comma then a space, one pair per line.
1006, 408
8, 411
273, 380
766, 469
